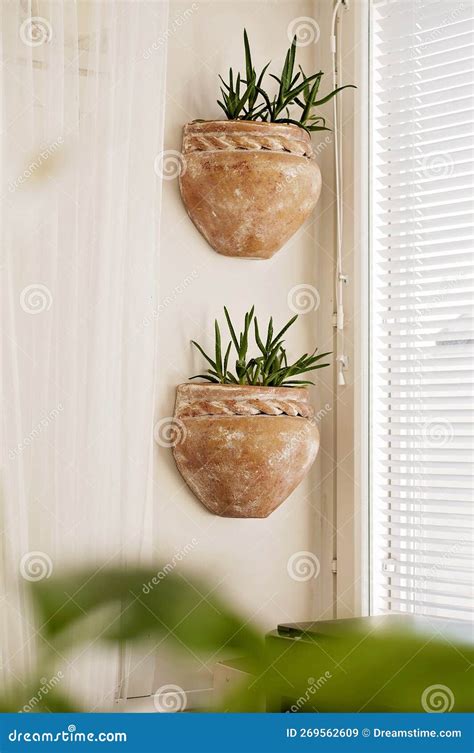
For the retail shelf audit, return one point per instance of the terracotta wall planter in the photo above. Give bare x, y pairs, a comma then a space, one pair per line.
243, 450
248, 186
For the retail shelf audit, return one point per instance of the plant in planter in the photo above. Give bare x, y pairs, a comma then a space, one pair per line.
247, 437
252, 180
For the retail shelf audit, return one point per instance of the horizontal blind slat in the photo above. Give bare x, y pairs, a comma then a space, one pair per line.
408, 266
449, 93
431, 492
389, 42
404, 192
416, 65
394, 123
453, 126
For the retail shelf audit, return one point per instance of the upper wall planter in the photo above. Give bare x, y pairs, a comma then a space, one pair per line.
248, 186
244, 449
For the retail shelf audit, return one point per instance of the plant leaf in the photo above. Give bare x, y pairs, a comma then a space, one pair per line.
231, 329
310, 97
333, 94
209, 360
316, 128
269, 334
296, 381
205, 376
285, 328
248, 56
260, 78
217, 333
226, 357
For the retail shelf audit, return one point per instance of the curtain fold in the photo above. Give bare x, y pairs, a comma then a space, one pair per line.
82, 107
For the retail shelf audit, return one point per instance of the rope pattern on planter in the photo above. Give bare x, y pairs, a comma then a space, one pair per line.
232, 142
246, 407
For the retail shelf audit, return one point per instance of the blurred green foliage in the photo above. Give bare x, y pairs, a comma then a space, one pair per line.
383, 668
118, 606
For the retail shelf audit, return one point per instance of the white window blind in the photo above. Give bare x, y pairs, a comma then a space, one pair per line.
422, 208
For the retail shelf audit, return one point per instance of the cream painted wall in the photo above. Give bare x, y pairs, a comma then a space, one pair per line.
244, 560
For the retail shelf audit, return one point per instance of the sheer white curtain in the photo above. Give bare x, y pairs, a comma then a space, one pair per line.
82, 100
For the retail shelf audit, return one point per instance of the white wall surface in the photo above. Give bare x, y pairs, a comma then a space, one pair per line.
244, 560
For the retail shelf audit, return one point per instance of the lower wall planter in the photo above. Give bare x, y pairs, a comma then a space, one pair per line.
248, 186
242, 449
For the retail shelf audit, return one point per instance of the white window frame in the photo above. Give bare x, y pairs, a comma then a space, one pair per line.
353, 420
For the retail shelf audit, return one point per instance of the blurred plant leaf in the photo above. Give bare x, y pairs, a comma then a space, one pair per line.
350, 666
134, 607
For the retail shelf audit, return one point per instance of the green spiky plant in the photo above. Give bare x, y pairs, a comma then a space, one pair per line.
244, 98
270, 369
